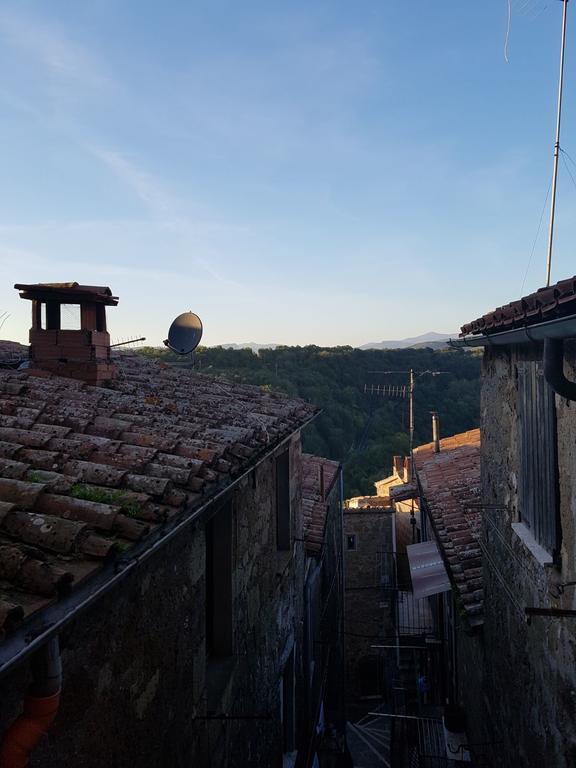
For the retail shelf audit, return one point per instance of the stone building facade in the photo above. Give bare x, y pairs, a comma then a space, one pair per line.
138, 683
448, 481
153, 529
324, 640
530, 681
368, 604
527, 697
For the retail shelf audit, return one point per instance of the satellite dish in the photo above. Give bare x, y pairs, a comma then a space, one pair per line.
184, 334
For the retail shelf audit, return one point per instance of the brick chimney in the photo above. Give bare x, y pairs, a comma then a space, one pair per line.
407, 469
435, 432
83, 353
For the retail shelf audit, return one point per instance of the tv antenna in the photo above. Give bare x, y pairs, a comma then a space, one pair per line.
184, 334
400, 391
128, 341
556, 145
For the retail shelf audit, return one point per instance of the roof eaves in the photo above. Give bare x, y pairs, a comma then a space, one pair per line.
50, 619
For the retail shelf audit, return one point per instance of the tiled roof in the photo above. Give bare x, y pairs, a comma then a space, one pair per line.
11, 350
359, 503
556, 301
69, 292
86, 472
317, 475
450, 483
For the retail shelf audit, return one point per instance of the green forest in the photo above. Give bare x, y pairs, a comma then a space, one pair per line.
360, 429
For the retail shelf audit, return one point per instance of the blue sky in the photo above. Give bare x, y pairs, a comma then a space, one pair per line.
294, 172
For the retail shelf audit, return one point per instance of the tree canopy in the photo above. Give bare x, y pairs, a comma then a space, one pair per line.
360, 429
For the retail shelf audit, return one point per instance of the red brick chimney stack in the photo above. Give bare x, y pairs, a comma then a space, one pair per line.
83, 353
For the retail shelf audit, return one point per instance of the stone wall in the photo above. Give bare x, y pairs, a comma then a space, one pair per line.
332, 624
367, 606
530, 682
135, 673
470, 688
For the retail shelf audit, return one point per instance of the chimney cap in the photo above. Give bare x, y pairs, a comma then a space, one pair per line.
67, 293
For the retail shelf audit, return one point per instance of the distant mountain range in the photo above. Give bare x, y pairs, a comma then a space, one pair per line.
431, 339
248, 345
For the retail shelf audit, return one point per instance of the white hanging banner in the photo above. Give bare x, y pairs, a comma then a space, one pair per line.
427, 570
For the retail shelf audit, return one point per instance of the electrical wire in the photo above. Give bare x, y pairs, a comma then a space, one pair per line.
564, 156
568, 156
539, 13
535, 239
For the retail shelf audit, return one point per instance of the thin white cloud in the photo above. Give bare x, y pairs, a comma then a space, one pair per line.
148, 190
164, 207
47, 44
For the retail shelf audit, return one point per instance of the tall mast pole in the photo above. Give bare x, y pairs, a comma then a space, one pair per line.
556, 146
412, 420
412, 471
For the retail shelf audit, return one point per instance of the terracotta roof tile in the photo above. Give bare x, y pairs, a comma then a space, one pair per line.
450, 482
87, 471
318, 476
555, 301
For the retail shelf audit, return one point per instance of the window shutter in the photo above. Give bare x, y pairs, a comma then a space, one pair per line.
538, 473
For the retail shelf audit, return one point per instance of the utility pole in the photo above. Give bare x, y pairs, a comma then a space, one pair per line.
556, 145
400, 391
391, 391
411, 424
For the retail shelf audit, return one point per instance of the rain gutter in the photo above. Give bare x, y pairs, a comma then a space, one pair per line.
559, 328
51, 620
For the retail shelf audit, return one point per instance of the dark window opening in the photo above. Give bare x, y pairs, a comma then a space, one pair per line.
283, 511
219, 634
369, 676
351, 541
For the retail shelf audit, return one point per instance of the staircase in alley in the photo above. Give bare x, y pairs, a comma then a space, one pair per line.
369, 742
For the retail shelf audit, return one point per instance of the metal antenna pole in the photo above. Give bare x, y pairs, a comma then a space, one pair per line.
412, 420
556, 146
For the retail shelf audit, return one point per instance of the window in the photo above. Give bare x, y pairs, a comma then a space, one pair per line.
538, 461
70, 317
283, 511
219, 638
351, 541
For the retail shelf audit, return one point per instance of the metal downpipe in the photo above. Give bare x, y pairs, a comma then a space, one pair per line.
40, 708
554, 369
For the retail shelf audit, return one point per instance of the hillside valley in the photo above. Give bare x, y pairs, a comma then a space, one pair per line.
360, 429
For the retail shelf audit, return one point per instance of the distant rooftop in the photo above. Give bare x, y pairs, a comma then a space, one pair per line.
318, 477
450, 482
556, 301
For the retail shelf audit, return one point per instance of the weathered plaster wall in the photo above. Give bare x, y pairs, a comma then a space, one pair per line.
135, 667
365, 619
530, 682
